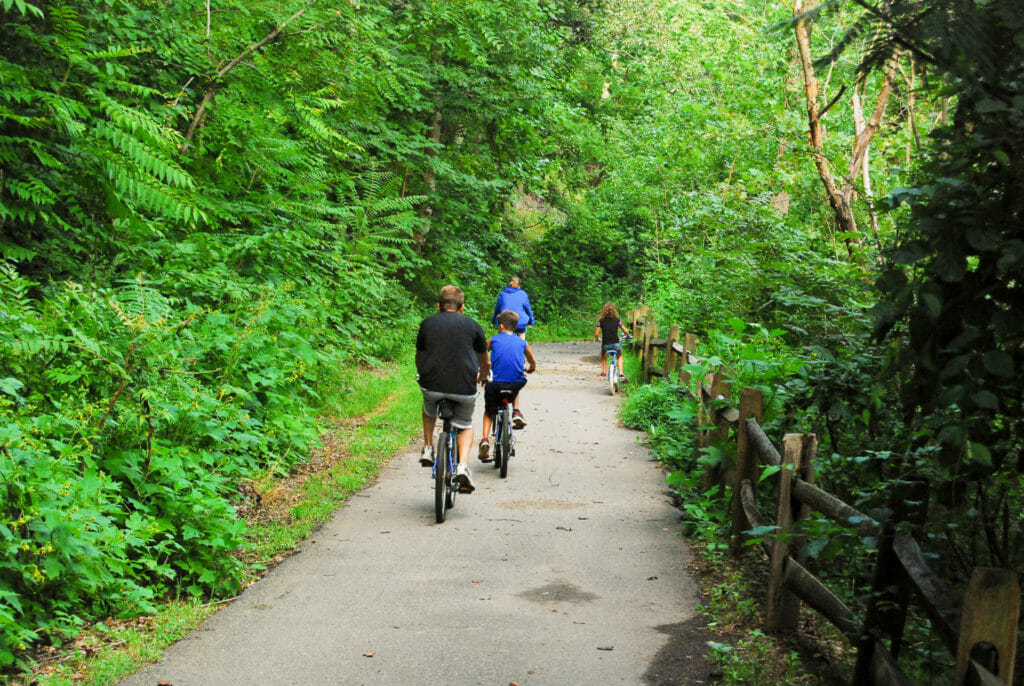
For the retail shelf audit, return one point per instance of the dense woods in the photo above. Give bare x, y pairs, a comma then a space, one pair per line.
211, 213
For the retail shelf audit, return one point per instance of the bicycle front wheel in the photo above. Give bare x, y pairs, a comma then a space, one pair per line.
441, 477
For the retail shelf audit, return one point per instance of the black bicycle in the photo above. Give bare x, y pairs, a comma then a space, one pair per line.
446, 459
504, 437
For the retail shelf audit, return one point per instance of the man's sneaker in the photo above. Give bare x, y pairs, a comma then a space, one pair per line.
517, 420
485, 450
465, 480
427, 456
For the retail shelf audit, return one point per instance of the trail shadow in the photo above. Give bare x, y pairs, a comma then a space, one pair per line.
683, 659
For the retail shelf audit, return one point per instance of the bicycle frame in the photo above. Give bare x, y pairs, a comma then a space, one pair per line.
503, 449
443, 471
453, 448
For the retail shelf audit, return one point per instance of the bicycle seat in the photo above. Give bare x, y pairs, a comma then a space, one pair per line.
445, 409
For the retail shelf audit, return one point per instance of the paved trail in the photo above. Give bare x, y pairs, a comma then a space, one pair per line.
569, 571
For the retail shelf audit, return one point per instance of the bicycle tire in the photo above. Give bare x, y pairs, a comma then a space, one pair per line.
613, 375
504, 441
441, 477
506, 444
498, 457
453, 483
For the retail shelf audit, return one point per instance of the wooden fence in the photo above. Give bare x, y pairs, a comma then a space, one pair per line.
980, 630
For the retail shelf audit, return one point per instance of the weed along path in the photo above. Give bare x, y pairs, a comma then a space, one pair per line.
569, 571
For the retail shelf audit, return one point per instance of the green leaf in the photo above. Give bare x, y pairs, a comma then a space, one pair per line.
990, 105
986, 400
999, 363
762, 531
932, 305
978, 452
983, 237
11, 386
676, 478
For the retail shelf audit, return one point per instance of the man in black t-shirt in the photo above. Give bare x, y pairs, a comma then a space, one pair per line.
451, 359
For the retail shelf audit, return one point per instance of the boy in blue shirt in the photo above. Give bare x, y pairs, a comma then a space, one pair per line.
511, 360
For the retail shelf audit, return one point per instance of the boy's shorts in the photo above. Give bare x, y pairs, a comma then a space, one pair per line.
493, 394
464, 406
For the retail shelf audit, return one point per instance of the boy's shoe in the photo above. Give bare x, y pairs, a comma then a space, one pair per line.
517, 420
465, 480
427, 456
485, 450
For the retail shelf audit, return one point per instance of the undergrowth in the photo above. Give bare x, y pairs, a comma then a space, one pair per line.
360, 434
733, 592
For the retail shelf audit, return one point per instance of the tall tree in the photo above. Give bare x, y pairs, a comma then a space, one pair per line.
840, 193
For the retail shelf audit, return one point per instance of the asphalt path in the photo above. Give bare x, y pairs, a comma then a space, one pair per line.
572, 570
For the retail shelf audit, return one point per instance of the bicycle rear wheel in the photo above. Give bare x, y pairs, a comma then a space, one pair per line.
441, 477
499, 458
505, 443
453, 482
613, 375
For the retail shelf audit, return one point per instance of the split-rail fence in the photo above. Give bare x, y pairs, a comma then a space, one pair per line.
980, 630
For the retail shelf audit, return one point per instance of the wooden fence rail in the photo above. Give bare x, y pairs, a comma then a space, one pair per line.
980, 630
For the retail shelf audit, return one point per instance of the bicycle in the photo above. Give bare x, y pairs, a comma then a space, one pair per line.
446, 459
613, 366
504, 437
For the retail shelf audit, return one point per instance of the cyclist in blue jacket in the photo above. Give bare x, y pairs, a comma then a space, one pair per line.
514, 298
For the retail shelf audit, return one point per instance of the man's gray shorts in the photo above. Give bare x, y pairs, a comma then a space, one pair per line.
464, 407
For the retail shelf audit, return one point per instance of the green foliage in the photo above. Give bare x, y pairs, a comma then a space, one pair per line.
128, 421
200, 238
952, 283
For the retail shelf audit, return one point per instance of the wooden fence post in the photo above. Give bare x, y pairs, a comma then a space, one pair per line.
636, 327
690, 347
650, 333
891, 591
670, 353
751, 405
784, 605
988, 624
721, 385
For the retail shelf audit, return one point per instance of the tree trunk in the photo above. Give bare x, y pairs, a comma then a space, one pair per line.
841, 197
840, 205
865, 171
200, 113
426, 210
867, 129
